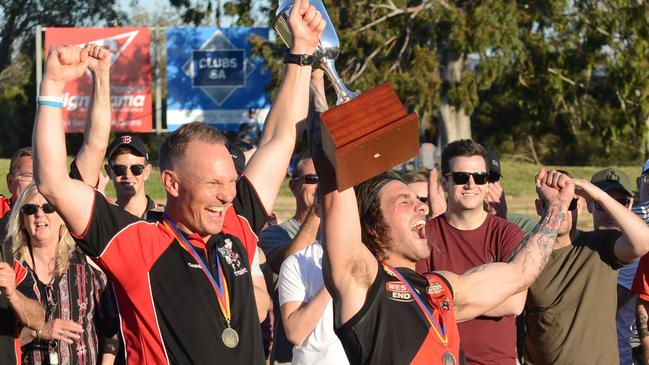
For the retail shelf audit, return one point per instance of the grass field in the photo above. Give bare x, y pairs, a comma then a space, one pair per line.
518, 182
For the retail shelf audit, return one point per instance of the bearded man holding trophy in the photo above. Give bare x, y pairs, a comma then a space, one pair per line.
375, 232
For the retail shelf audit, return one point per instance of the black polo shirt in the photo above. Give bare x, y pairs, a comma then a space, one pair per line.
168, 308
9, 326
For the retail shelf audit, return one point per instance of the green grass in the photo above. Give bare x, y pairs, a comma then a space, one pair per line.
518, 177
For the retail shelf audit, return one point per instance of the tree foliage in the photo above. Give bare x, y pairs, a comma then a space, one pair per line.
552, 81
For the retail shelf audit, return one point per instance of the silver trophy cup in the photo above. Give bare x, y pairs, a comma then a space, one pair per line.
326, 52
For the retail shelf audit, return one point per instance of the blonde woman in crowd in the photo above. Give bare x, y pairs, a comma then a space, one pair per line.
77, 306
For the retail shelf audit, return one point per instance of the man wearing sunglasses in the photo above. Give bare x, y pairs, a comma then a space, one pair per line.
467, 236
128, 168
617, 184
189, 290
573, 302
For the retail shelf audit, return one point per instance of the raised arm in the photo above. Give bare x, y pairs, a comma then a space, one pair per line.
267, 168
95, 138
634, 241
484, 287
349, 268
64, 64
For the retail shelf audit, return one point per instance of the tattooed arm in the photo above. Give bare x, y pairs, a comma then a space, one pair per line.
641, 318
484, 287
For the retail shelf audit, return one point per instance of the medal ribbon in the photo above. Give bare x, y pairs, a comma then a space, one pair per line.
438, 329
220, 286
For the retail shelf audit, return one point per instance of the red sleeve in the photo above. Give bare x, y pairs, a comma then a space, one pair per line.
641, 281
4, 206
20, 271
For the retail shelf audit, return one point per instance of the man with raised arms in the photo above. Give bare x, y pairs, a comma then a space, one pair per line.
184, 286
385, 312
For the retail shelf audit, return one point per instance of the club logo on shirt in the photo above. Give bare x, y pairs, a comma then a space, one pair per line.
398, 291
434, 288
232, 258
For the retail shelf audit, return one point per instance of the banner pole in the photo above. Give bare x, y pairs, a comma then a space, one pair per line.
39, 58
156, 74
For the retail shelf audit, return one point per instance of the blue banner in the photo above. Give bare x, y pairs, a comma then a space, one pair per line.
213, 77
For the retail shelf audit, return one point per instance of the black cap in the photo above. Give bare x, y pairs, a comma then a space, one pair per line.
493, 163
129, 140
238, 157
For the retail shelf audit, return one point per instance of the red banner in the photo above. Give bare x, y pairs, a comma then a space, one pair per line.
130, 77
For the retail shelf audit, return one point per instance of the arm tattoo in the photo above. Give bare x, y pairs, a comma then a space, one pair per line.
533, 253
642, 319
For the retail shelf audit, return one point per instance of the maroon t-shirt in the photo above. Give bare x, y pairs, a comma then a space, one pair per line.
485, 340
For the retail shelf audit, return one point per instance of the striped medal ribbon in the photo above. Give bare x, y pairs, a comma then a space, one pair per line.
230, 337
439, 330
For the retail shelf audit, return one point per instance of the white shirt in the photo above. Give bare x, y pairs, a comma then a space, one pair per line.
300, 279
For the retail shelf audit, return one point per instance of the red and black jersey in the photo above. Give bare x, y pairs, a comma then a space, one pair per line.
5, 205
168, 309
391, 328
9, 326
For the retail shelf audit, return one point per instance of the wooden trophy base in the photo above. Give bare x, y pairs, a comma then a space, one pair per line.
368, 135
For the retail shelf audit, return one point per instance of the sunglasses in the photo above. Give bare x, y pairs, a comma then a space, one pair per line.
31, 209
623, 201
572, 206
308, 179
461, 178
120, 170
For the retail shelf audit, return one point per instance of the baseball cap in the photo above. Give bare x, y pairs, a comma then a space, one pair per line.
645, 168
238, 157
612, 178
493, 163
131, 141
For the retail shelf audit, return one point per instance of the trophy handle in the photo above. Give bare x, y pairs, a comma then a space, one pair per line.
342, 92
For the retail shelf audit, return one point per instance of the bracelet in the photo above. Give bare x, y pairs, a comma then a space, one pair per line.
52, 101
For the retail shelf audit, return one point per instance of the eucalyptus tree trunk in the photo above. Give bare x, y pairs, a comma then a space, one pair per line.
454, 124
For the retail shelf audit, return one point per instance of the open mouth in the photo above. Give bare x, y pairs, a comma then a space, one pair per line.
41, 225
419, 227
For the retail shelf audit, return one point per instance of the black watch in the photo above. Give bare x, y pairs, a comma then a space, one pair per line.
299, 59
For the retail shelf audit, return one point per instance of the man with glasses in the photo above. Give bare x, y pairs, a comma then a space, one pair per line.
128, 168
287, 238
571, 306
617, 184
466, 236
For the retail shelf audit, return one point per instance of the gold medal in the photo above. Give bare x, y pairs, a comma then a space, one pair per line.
230, 337
448, 358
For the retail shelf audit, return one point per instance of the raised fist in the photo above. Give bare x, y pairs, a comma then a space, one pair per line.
555, 188
306, 25
65, 64
99, 58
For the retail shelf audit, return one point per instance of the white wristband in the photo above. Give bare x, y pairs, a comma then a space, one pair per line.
56, 99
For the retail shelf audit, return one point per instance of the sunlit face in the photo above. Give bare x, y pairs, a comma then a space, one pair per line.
41, 227
405, 214
206, 187
304, 192
22, 176
601, 219
469, 196
128, 184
